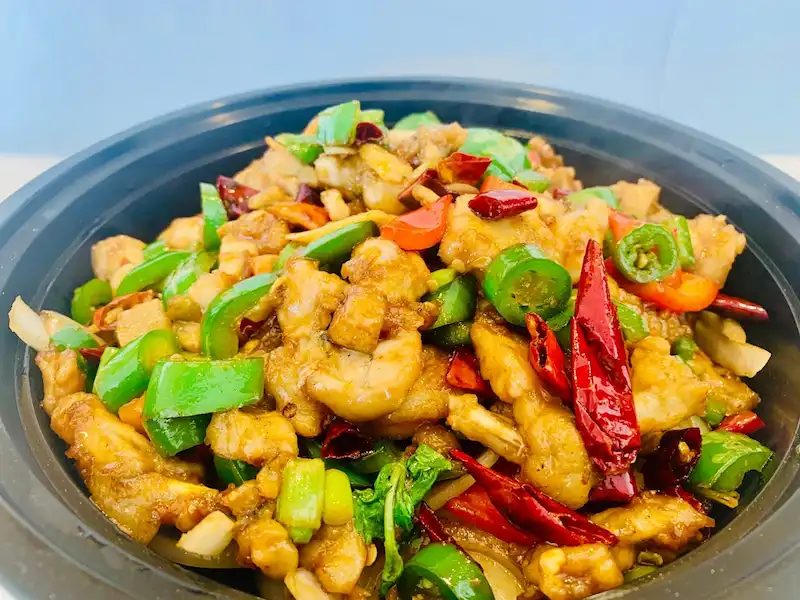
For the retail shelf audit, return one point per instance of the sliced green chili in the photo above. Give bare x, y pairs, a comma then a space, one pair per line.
449, 336
219, 336
648, 253
716, 410
725, 458
457, 301
680, 225
521, 280
304, 148
186, 273
633, 325
170, 436
154, 249
189, 388
337, 246
214, 215
336, 125
87, 298
447, 569
234, 472
604, 193
684, 348
534, 181
151, 272
415, 120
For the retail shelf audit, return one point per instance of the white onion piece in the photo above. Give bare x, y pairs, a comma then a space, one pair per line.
506, 583
304, 586
447, 490
165, 544
209, 537
28, 325
746, 360
55, 321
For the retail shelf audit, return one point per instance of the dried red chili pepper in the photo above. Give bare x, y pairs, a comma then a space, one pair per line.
92, 354
430, 524
367, 132
463, 167
430, 179
499, 204
307, 195
464, 373
745, 422
619, 488
688, 497
741, 307
673, 461
533, 511
601, 380
234, 196
343, 440
547, 357
475, 507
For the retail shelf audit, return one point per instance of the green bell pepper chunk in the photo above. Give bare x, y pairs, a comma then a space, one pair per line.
457, 301
234, 472
170, 436
604, 193
443, 276
521, 280
187, 272
86, 298
151, 272
73, 337
680, 225
126, 373
449, 336
189, 388
337, 246
648, 253
632, 323
507, 154
536, 182
154, 249
214, 215
446, 568
415, 120
219, 337
304, 148
716, 410
285, 254
336, 125
684, 348
302, 494
373, 115
725, 458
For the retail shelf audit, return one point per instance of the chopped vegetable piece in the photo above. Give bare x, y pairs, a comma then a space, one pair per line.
185, 274
442, 277
336, 125
604, 193
648, 253
87, 298
304, 148
547, 357
746, 422
633, 325
475, 507
219, 334
214, 216
419, 229
507, 154
210, 536
28, 325
288, 251
464, 373
338, 501
715, 410
534, 181
343, 440
234, 472
746, 360
151, 272
415, 120
126, 373
171, 436
601, 379
673, 461
234, 196
684, 348
683, 237
73, 337
681, 292
336, 247
462, 167
449, 336
456, 300
619, 488
447, 568
189, 388
373, 115
302, 494
307, 216
725, 459
368, 132
521, 280
739, 307
154, 249
499, 204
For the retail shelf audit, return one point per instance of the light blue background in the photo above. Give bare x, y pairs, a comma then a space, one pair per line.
75, 71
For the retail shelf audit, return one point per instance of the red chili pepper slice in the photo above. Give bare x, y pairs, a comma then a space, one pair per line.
475, 507
234, 196
745, 422
547, 357
619, 488
741, 307
499, 204
419, 229
673, 461
343, 440
431, 525
464, 373
532, 510
601, 380
463, 167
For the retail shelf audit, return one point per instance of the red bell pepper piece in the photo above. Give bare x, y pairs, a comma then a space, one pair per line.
463, 167
499, 204
419, 229
620, 488
741, 307
547, 357
431, 525
475, 507
533, 511
601, 379
464, 373
343, 440
234, 196
673, 461
745, 422
492, 182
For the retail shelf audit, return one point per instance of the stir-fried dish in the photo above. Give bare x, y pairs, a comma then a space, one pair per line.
417, 361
